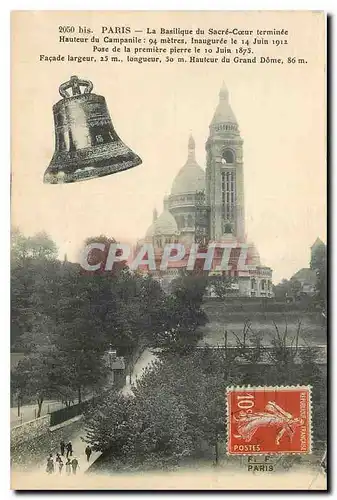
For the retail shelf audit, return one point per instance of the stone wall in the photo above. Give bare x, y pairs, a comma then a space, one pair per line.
30, 430
32, 453
231, 315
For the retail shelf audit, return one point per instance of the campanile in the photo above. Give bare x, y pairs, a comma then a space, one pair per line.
224, 172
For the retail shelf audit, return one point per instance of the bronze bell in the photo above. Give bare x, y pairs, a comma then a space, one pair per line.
86, 143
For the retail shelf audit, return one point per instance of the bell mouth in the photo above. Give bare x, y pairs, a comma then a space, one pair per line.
65, 175
86, 143
90, 163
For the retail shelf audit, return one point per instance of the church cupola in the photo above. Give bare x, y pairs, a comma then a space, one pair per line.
186, 187
191, 177
224, 119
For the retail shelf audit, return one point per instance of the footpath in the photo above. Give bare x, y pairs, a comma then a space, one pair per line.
197, 476
74, 431
29, 412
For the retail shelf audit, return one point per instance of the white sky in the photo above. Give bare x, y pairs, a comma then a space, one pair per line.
281, 115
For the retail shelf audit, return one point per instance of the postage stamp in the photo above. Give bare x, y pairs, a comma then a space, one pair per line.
268, 420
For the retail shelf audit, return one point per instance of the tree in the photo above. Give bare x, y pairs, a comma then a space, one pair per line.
295, 287
161, 436
223, 286
33, 275
178, 408
283, 289
108, 430
97, 256
41, 335
287, 288
81, 340
181, 315
34, 377
140, 302
19, 245
80, 314
42, 246
39, 246
318, 263
150, 428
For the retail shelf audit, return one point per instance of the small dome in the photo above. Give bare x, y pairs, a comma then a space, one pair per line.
150, 232
191, 177
165, 224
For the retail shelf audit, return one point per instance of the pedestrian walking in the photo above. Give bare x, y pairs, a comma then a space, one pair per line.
324, 462
69, 449
60, 465
59, 462
68, 467
62, 447
50, 464
74, 465
88, 452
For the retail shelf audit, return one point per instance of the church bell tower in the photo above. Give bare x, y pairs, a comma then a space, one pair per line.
224, 173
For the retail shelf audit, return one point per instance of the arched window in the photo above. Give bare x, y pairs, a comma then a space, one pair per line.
228, 156
228, 188
228, 228
190, 221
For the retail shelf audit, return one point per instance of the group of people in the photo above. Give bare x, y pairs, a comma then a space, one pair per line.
65, 455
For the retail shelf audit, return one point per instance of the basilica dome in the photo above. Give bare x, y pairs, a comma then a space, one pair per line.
191, 177
165, 224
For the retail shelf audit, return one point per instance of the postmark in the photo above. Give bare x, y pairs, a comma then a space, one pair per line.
269, 420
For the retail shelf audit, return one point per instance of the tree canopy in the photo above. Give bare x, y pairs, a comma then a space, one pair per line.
319, 264
65, 319
178, 409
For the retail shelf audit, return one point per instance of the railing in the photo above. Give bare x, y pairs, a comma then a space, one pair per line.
60, 416
320, 352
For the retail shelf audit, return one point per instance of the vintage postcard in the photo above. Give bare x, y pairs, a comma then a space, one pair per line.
168, 252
